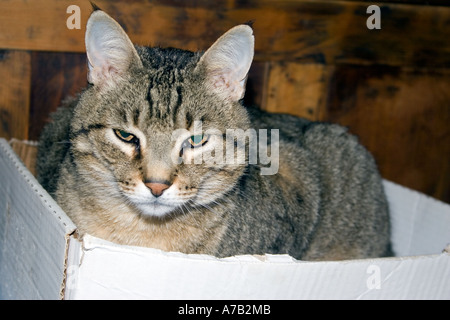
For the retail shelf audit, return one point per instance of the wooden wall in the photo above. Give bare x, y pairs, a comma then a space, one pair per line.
315, 59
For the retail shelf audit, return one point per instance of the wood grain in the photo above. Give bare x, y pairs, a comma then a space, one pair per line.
324, 31
55, 76
298, 89
402, 117
15, 71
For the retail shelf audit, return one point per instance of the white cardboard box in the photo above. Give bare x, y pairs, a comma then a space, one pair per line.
41, 257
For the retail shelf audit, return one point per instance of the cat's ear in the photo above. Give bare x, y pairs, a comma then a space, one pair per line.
227, 62
109, 51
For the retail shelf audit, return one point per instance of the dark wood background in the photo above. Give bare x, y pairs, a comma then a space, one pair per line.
315, 59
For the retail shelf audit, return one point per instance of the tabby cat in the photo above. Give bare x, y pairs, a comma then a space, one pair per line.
122, 159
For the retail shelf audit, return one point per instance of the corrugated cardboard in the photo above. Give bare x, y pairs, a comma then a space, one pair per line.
34, 234
41, 257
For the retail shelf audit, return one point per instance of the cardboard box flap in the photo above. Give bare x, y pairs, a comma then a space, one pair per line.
110, 271
34, 232
420, 224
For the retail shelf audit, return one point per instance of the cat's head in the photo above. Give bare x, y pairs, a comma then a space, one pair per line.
151, 125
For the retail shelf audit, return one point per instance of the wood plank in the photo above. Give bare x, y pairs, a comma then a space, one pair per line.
403, 117
325, 31
55, 76
298, 89
15, 73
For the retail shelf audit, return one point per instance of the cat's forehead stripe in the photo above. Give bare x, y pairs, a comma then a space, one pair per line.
164, 103
179, 101
167, 69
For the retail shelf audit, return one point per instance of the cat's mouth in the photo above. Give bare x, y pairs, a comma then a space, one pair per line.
154, 208
161, 205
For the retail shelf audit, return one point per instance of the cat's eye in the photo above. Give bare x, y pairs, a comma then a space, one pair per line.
197, 140
125, 136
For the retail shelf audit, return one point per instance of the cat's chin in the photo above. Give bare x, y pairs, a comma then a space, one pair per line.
155, 209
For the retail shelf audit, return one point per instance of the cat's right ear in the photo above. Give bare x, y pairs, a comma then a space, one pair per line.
109, 51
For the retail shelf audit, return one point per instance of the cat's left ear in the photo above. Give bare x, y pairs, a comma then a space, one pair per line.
228, 61
109, 50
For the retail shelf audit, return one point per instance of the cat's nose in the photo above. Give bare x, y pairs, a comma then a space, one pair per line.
157, 188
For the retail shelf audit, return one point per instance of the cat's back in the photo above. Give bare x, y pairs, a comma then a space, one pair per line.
354, 218
326, 171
